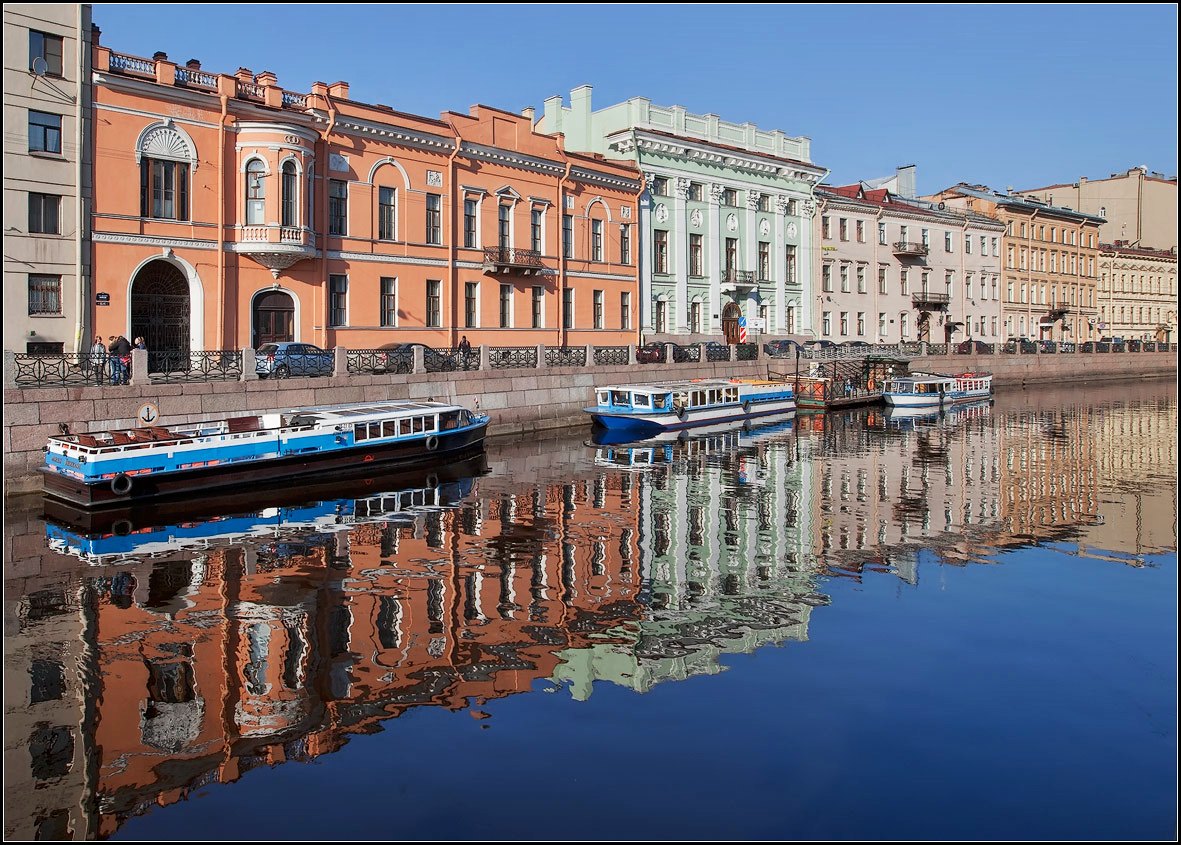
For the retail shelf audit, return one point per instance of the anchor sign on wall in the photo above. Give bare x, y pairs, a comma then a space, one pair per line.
148, 414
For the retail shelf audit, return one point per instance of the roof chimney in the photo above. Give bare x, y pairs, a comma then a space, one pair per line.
529, 112
339, 90
193, 64
160, 56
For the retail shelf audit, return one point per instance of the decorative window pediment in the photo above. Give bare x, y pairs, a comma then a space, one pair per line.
166, 141
508, 192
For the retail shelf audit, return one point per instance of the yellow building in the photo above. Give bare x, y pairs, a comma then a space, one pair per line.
1137, 292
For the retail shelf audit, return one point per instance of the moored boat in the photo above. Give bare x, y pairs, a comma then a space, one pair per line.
935, 390
647, 409
113, 468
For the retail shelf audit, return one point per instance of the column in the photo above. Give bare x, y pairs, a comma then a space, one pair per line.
645, 250
714, 260
751, 248
779, 264
807, 268
680, 254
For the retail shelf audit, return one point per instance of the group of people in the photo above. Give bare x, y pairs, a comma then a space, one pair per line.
114, 357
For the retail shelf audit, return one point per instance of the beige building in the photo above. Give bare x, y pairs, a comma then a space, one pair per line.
898, 269
1139, 207
1050, 256
1137, 292
47, 183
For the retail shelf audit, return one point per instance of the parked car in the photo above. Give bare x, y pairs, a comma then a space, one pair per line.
1047, 346
1020, 344
1066, 346
857, 345
1135, 345
281, 360
819, 344
973, 347
399, 357
781, 348
650, 353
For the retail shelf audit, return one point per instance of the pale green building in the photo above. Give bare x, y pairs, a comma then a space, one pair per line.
725, 220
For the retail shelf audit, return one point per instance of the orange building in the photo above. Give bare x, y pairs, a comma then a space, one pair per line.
229, 212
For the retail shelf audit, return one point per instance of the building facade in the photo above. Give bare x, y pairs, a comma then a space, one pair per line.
896, 269
1138, 207
47, 167
1137, 292
725, 219
230, 212
1050, 255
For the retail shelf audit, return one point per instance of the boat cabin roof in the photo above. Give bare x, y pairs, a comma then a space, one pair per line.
369, 410
691, 384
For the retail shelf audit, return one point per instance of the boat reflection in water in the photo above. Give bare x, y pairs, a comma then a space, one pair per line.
617, 449
909, 419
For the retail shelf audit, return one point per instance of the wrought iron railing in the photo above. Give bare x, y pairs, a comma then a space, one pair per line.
717, 352
606, 355
740, 277
937, 348
910, 248
509, 357
565, 356
748, 352
444, 360
74, 369
512, 257
205, 365
379, 361
686, 354
930, 298
652, 353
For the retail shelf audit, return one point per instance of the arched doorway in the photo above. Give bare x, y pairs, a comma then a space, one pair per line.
730, 315
273, 318
160, 313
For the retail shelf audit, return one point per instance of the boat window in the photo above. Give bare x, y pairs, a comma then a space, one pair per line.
731, 394
660, 401
404, 425
465, 417
619, 397
374, 430
389, 428
419, 424
604, 397
698, 398
431, 423
449, 420
360, 432
714, 397
641, 400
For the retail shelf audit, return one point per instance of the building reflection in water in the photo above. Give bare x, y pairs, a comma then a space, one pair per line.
182, 655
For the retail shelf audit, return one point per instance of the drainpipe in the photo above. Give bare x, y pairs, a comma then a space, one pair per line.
452, 240
563, 332
320, 296
221, 221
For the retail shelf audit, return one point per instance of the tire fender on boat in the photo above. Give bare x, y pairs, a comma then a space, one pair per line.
746, 406
682, 412
432, 443
432, 480
121, 484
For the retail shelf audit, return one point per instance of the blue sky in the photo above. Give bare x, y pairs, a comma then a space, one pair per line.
997, 94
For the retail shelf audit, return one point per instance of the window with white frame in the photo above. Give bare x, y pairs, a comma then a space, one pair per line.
881, 233
882, 327
471, 302
45, 294
389, 302
883, 285
536, 216
387, 214
844, 278
826, 323
434, 219
597, 304
338, 207
506, 306
625, 310
861, 324
947, 241
470, 238
434, 303
844, 324
596, 240
861, 288
289, 188
538, 307
338, 297
568, 308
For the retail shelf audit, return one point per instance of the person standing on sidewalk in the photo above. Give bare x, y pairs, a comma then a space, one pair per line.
98, 359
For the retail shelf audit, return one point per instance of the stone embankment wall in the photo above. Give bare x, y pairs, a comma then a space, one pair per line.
520, 402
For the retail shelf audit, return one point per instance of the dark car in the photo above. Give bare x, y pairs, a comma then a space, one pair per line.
859, 345
650, 353
819, 345
281, 360
781, 348
973, 347
399, 357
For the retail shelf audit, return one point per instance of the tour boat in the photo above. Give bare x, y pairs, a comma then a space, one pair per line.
115, 467
935, 390
646, 409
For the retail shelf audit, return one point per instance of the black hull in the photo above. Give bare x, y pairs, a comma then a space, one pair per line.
133, 516
311, 468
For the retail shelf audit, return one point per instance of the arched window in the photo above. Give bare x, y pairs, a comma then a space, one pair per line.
166, 157
255, 193
290, 191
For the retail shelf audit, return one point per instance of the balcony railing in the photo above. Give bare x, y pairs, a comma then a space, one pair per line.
731, 276
910, 248
291, 235
132, 65
931, 301
196, 78
508, 259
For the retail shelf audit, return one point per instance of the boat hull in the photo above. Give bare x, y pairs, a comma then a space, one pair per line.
336, 465
932, 400
642, 425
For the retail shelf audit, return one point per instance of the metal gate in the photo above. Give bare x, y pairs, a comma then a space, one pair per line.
160, 312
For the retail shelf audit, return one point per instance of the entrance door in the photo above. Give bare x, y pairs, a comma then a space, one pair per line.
274, 318
160, 315
730, 315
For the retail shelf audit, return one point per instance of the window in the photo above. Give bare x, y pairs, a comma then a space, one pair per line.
996, 248
695, 191
764, 202
904, 323
42, 45
791, 264
695, 317
926, 233
1023, 230
504, 225
860, 231
625, 310
386, 214
902, 233
882, 329
968, 244
434, 219
731, 254
625, 243
881, 233
826, 278
338, 207
947, 241
567, 235
660, 250
826, 226
338, 292
861, 278
469, 224
289, 190
538, 311
598, 306
860, 323
904, 282
660, 186
661, 319
256, 192
826, 323
882, 284
536, 215
506, 306
730, 197
45, 132
164, 189
389, 302
843, 228
1054, 235
568, 308
983, 245
470, 298
764, 260
434, 303
45, 294
844, 324
695, 248
44, 214
968, 286
844, 278
791, 319
596, 240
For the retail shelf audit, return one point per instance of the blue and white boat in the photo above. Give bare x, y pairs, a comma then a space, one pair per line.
113, 468
936, 390
648, 409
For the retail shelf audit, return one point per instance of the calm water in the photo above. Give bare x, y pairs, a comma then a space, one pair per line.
842, 627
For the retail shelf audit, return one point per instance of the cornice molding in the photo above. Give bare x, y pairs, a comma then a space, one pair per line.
150, 240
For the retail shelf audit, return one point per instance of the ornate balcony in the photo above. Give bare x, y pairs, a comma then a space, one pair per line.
910, 248
275, 247
931, 301
734, 279
510, 260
